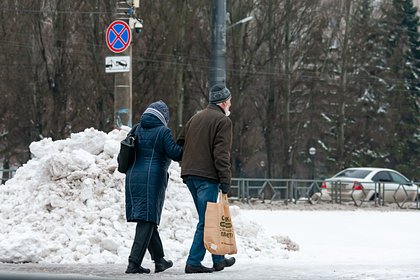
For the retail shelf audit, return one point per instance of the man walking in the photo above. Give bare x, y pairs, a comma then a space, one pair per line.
205, 167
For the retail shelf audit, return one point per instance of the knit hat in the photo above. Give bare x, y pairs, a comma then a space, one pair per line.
218, 94
160, 110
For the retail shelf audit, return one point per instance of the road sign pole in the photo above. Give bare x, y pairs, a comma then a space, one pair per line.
118, 39
123, 96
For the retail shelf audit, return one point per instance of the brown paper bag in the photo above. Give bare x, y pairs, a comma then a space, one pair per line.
219, 236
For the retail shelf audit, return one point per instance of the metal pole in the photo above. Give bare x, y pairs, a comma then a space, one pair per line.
312, 153
218, 45
123, 81
123, 96
313, 167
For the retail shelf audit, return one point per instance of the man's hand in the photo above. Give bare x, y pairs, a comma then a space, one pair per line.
224, 187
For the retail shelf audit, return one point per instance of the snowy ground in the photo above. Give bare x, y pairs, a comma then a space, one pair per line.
63, 214
354, 244
332, 245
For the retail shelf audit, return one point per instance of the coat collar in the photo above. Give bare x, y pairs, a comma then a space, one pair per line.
215, 107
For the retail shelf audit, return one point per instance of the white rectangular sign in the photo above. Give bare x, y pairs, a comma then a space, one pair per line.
114, 64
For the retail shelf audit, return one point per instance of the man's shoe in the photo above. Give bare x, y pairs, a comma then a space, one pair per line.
162, 265
225, 263
198, 269
132, 268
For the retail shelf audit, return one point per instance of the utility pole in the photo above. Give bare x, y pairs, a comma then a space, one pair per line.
123, 96
218, 44
126, 12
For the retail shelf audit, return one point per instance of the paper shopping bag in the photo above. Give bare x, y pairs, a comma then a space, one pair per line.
219, 236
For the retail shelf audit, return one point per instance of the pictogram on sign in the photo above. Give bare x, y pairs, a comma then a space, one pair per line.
118, 36
114, 64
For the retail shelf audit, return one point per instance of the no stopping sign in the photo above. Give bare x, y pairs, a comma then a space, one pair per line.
118, 36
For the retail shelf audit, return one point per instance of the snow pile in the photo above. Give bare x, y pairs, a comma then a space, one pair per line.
66, 205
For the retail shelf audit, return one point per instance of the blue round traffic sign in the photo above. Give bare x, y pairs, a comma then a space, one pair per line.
118, 36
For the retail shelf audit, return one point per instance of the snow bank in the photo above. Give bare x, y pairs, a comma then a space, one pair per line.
66, 205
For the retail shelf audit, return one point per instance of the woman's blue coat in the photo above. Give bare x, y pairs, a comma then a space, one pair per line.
146, 180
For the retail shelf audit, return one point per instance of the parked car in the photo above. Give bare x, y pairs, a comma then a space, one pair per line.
367, 183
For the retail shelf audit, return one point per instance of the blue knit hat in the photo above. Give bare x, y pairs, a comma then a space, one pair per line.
160, 110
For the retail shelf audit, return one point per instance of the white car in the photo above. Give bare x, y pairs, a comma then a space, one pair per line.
368, 183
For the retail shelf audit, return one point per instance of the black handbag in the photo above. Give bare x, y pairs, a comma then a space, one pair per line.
127, 151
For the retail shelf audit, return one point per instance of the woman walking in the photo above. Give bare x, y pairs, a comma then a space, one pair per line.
145, 185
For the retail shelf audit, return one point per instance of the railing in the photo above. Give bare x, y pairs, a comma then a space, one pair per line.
6, 174
289, 190
379, 193
299, 190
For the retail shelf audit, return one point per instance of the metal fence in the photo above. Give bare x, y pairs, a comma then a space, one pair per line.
288, 190
6, 174
299, 190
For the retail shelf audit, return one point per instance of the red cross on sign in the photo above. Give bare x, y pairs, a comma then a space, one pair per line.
118, 36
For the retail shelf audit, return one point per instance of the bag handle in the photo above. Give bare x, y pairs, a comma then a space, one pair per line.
222, 197
132, 131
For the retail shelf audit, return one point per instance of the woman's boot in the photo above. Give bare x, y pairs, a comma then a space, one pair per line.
162, 265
